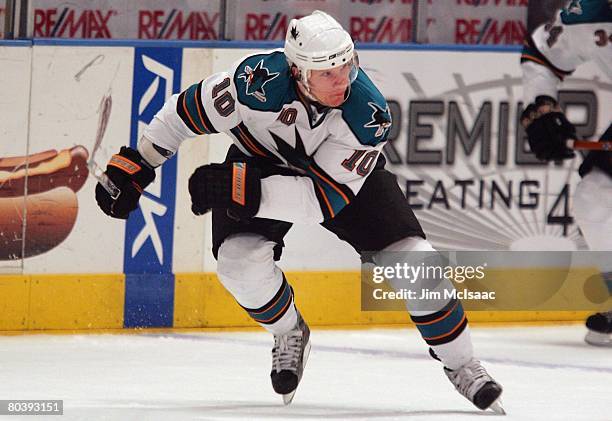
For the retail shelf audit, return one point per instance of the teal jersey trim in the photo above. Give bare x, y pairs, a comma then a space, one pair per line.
332, 196
531, 53
263, 82
366, 112
587, 11
328, 195
529, 50
191, 110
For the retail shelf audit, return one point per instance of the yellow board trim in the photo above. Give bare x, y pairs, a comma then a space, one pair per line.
77, 302
202, 302
41, 302
14, 302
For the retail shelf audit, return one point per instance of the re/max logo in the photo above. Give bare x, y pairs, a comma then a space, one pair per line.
72, 23
161, 24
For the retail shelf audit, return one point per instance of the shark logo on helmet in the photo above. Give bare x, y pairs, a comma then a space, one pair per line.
294, 32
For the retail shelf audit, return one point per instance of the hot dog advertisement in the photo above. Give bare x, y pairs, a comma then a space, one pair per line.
49, 220
49, 208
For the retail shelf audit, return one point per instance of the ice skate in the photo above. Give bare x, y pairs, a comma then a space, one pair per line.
473, 382
600, 329
289, 357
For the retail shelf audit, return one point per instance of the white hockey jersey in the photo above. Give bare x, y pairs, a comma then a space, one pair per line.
581, 32
259, 106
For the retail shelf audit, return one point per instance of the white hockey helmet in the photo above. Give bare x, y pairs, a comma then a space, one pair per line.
318, 42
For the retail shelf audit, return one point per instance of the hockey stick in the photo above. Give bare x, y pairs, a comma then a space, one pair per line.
604, 145
94, 169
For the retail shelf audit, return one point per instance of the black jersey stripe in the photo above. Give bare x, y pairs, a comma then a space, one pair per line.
531, 53
191, 110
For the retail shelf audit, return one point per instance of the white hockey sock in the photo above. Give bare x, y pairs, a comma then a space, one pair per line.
246, 268
456, 353
441, 322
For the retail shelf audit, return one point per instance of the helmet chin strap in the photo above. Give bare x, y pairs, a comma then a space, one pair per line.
305, 89
302, 78
302, 81
307, 93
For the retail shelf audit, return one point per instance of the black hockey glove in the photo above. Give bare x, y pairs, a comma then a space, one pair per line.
548, 129
131, 174
233, 186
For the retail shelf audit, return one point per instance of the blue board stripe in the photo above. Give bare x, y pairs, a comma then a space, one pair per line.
149, 300
149, 231
265, 45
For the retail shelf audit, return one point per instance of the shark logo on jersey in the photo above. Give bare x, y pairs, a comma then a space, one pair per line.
575, 7
295, 156
256, 79
381, 119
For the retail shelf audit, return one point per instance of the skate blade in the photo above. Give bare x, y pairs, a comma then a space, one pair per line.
497, 407
598, 339
288, 398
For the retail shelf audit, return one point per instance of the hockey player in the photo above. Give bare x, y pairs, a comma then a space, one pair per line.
308, 128
581, 32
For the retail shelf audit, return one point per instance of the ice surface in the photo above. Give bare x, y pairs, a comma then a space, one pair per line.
548, 373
